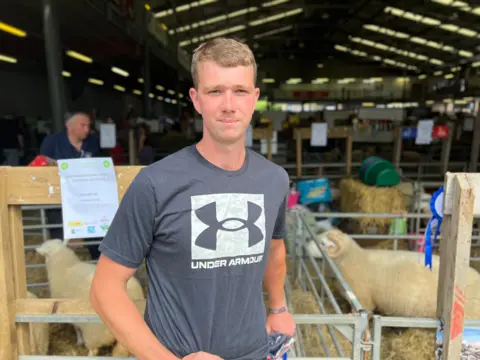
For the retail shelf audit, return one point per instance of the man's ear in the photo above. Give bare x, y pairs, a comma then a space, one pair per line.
194, 96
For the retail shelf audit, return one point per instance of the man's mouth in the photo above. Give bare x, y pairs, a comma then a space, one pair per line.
228, 121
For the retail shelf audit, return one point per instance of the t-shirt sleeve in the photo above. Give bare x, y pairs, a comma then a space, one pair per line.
280, 229
46, 148
130, 235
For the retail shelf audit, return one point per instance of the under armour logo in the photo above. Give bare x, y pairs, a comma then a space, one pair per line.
208, 215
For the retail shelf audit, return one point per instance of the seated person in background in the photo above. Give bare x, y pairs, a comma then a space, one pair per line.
74, 142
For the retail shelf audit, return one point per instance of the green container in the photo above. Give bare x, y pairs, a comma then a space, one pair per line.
378, 172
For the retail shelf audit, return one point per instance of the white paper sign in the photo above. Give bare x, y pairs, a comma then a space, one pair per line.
108, 136
264, 144
424, 132
319, 134
89, 196
249, 136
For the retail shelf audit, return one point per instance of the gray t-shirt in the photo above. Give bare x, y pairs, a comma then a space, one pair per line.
205, 234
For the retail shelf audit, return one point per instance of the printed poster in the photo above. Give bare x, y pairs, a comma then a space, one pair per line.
89, 196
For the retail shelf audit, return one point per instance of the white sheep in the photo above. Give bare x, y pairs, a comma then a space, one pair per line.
395, 283
39, 334
71, 278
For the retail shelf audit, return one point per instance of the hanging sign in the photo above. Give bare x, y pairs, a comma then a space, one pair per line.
436, 206
440, 132
409, 133
89, 196
424, 132
319, 134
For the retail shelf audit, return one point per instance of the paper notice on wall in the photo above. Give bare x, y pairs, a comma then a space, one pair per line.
319, 134
108, 136
264, 144
89, 196
424, 132
249, 136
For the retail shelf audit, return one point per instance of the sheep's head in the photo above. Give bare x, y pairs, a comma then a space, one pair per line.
337, 242
50, 247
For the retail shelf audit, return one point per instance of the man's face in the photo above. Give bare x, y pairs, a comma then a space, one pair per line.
226, 99
81, 127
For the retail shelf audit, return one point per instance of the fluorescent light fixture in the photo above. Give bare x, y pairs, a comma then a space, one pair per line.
78, 56
376, 58
160, 97
292, 81
119, 88
159, 88
119, 71
12, 30
8, 59
423, 76
171, 92
438, 73
368, 104
213, 35
320, 80
137, 92
268, 81
275, 17
180, 95
140, 80
168, 100
417, 40
174, 101
95, 81
184, 7
429, 21
66, 73
151, 96
273, 32
449, 76
393, 49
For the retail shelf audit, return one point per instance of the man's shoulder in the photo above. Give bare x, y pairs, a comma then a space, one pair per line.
170, 166
260, 162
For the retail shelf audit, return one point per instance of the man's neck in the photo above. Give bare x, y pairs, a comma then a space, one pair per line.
228, 157
74, 141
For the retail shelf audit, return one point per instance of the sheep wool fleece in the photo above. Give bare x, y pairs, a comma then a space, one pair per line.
205, 235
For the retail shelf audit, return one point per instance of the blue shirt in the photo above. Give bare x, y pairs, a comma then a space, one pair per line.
57, 146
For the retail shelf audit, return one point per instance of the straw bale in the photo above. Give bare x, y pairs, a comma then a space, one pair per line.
355, 196
408, 344
303, 302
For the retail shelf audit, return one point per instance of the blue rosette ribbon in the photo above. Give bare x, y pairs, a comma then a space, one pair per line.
436, 206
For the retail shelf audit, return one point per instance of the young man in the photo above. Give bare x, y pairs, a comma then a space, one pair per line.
210, 222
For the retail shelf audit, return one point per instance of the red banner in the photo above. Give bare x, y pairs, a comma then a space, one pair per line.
310, 94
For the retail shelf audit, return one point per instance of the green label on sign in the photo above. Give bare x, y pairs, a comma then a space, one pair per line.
64, 166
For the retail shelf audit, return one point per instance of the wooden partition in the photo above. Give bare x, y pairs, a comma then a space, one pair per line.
301, 134
31, 186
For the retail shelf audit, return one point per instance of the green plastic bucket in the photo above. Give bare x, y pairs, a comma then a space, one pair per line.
378, 172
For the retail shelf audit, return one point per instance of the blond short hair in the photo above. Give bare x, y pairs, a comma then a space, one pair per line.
224, 52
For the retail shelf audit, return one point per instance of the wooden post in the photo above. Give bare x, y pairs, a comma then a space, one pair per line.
8, 348
459, 209
446, 147
475, 144
298, 142
397, 147
348, 156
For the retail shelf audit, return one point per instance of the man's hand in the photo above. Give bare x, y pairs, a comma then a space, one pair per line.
281, 323
202, 356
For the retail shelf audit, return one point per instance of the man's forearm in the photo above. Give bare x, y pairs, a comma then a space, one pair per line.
119, 313
275, 274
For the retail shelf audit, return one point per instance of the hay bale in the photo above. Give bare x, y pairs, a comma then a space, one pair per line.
408, 344
355, 196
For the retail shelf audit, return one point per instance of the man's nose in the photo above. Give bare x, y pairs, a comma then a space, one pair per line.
228, 101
